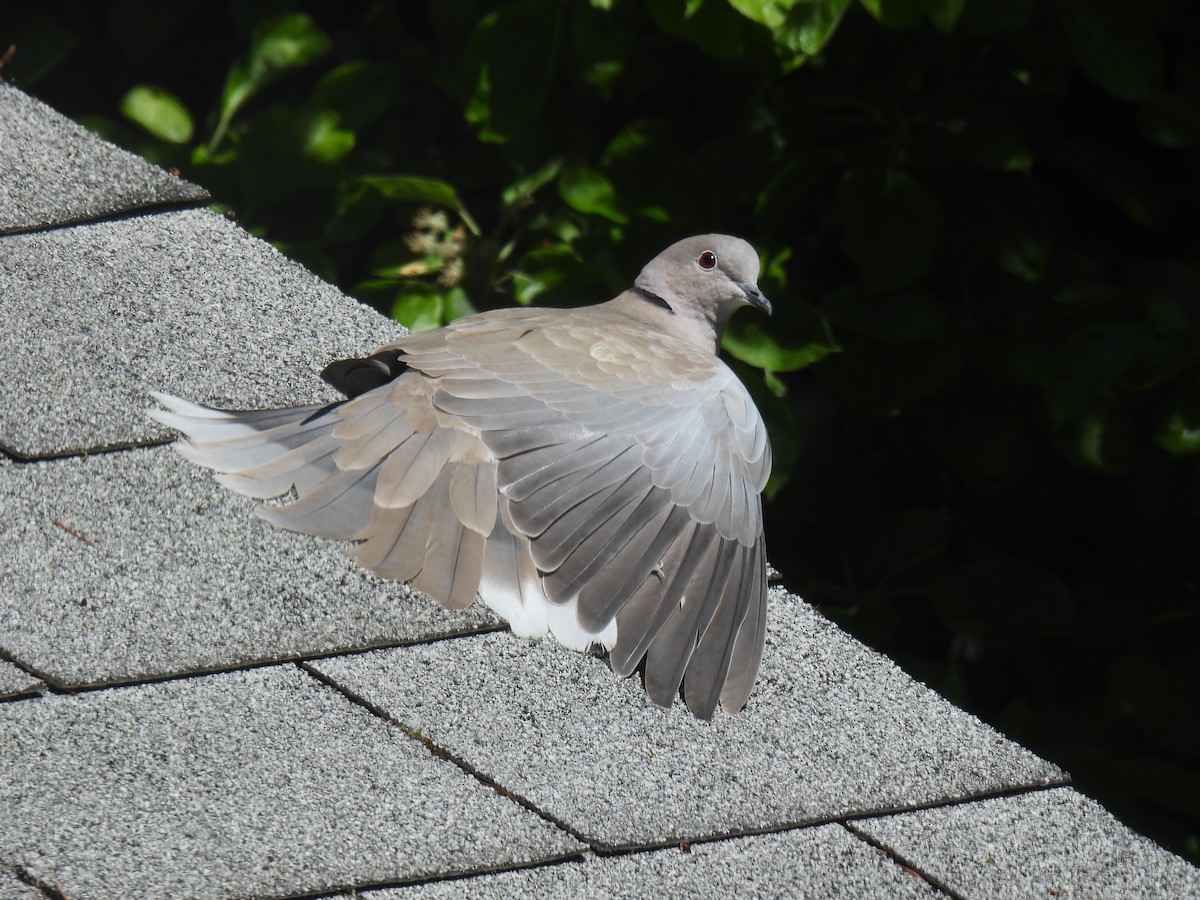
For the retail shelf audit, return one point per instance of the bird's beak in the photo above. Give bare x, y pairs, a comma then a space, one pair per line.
755, 297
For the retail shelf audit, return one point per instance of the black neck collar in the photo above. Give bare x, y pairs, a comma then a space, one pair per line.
652, 298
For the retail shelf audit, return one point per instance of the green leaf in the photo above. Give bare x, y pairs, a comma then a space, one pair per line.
159, 112
751, 340
521, 191
285, 42
810, 24
587, 191
1098, 438
765, 12
801, 27
543, 271
1177, 429
774, 271
1114, 45
418, 308
457, 305
1024, 255
325, 141
637, 140
418, 189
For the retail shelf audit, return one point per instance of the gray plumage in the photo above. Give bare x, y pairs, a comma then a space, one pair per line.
592, 473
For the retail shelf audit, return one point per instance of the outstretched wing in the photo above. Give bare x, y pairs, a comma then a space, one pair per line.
631, 463
588, 476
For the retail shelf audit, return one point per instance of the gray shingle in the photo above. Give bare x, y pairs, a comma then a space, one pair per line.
12, 888
55, 172
137, 564
14, 681
826, 861
96, 316
1055, 843
251, 783
831, 730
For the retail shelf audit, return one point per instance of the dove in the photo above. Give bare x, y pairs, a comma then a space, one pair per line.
594, 474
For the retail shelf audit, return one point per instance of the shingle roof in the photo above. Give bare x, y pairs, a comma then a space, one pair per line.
201, 705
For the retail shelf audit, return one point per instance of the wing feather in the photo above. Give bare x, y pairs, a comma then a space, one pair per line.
533, 471
473, 495
390, 550
642, 618
411, 469
551, 501
669, 655
452, 555
640, 553
705, 675
748, 650
338, 508
584, 539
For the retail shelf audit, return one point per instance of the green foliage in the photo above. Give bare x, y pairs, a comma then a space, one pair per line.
289, 41
159, 113
421, 190
978, 221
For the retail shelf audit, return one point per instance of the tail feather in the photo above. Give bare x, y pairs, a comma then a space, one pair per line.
261, 453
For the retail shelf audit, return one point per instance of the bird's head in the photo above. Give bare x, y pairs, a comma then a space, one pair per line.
700, 282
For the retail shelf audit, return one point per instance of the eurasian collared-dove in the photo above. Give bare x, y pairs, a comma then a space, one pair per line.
592, 472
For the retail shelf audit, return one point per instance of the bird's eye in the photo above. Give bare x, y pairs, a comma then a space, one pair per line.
707, 260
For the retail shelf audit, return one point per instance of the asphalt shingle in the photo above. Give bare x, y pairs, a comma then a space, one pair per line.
826, 861
263, 782
832, 730
12, 888
1054, 843
54, 172
15, 681
96, 316
137, 565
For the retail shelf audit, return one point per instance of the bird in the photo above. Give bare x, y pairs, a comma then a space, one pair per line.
592, 473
